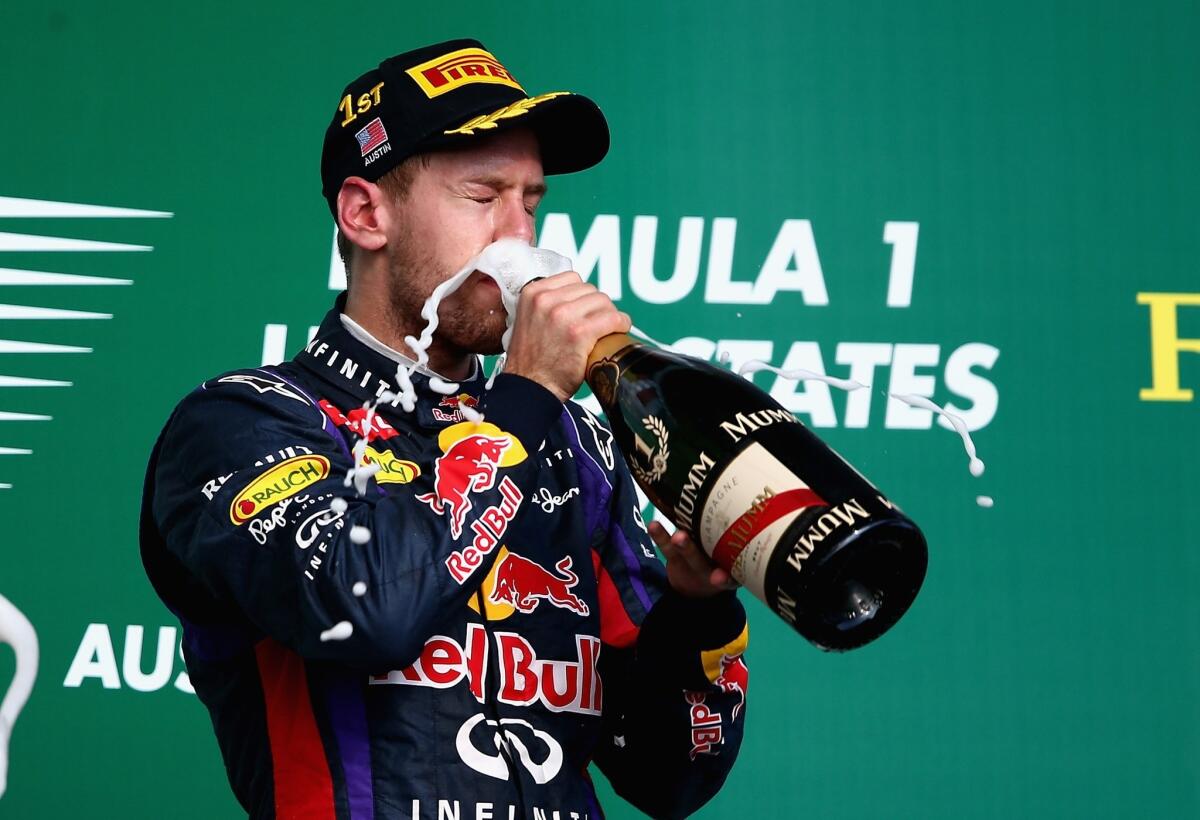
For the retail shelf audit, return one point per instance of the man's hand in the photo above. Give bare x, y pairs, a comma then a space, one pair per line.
690, 571
559, 320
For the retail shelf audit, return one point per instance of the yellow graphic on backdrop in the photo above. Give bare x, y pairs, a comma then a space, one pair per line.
1165, 345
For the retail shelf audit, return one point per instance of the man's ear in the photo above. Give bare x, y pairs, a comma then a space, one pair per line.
361, 214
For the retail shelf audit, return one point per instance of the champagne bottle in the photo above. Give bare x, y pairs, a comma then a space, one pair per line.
770, 502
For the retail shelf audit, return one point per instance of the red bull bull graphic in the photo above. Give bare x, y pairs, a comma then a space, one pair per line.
471, 456
523, 584
467, 467
525, 679
735, 679
454, 403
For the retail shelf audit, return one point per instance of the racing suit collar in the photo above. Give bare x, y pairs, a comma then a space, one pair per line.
345, 355
363, 335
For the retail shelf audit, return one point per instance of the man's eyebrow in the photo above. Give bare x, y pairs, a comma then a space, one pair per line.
537, 188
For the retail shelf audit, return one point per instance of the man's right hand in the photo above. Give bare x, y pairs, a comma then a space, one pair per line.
559, 320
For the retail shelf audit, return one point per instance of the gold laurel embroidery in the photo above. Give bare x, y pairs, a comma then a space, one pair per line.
659, 455
514, 110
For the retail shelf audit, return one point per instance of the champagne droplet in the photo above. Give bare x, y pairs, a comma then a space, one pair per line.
338, 632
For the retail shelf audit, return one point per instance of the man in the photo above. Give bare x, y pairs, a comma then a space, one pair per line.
489, 617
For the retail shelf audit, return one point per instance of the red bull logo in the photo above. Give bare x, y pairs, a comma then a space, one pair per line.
729, 674
707, 731
454, 403
472, 454
467, 467
523, 584
735, 679
525, 679
706, 725
489, 528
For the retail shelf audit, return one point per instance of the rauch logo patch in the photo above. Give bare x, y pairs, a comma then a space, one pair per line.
283, 480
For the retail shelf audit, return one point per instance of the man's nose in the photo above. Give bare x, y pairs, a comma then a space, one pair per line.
513, 221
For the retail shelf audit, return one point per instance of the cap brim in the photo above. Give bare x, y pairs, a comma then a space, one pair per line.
571, 130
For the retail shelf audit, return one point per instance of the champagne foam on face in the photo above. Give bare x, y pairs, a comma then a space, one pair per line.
512, 264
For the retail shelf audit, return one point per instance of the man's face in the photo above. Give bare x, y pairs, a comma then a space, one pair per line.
462, 202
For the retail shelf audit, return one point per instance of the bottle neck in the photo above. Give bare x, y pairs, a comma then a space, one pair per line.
608, 346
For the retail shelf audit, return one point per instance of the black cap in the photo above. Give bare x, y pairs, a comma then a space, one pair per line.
444, 95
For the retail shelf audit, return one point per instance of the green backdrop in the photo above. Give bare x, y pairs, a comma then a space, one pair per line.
1043, 157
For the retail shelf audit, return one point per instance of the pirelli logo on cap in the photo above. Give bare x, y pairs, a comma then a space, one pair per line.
459, 68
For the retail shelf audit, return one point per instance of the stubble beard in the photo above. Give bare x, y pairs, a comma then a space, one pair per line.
463, 329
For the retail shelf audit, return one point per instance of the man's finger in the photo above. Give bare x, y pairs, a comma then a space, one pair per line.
689, 551
558, 280
721, 578
659, 534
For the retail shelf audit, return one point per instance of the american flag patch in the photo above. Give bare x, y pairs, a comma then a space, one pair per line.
371, 137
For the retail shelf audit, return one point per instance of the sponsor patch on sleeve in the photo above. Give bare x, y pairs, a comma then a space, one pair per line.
281, 481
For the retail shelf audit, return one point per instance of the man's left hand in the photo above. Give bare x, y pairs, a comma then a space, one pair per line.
689, 569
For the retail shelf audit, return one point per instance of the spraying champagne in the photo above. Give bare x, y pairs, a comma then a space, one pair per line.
768, 501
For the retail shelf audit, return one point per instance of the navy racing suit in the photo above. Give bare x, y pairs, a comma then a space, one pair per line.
463, 638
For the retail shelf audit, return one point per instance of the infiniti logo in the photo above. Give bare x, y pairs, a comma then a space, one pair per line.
309, 530
507, 735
